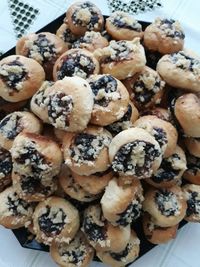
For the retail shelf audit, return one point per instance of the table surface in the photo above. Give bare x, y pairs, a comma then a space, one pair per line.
184, 251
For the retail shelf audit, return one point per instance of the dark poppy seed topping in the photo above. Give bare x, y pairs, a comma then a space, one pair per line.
10, 126
193, 203
193, 164
17, 206
5, 163
171, 28
94, 232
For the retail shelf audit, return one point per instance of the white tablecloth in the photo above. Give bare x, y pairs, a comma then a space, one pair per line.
184, 251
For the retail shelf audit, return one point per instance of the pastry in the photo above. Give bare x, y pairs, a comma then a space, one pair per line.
69, 104
77, 253
122, 26
59, 134
122, 203
91, 41
15, 123
84, 16
192, 195
64, 33
156, 234
44, 47
164, 132
14, 212
145, 88
101, 234
161, 113
124, 257
36, 162
164, 35
180, 70
87, 153
55, 219
39, 101
20, 78
192, 174
193, 146
170, 171
72, 188
5, 168
111, 99
94, 183
135, 152
75, 62
121, 59
167, 206
125, 122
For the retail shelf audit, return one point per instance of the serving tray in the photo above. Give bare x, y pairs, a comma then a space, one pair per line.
25, 238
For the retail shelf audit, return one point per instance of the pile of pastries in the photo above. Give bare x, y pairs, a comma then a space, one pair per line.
92, 139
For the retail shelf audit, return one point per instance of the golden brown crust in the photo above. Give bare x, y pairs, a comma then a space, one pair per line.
164, 132
32, 44
31, 73
162, 36
193, 146
87, 157
156, 234
61, 214
80, 15
167, 206
115, 101
77, 252
187, 112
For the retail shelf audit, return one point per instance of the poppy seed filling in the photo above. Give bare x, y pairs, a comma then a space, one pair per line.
5, 163
171, 28
193, 203
122, 20
135, 158
17, 206
167, 203
10, 126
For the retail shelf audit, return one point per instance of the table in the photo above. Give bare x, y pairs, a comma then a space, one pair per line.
184, 251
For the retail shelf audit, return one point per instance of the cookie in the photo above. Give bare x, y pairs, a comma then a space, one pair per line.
20, 78
87, 153
75, 62
126, 256
122, 203
170, 171
91, 41
164, 35
64, 33
125, 122
164, 132
44, 47
121, 59
5, 168
77, 253
72, 188
14, 212
111, 99
84, 16
167, 206
101, 234
192, 195
192, 174
134, 152
55, 219
122, 26
146, 88
156, 234
14, 124
69, 104
180, 70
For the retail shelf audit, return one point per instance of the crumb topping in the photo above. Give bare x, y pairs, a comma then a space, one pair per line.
40, 97
76, 64
123, 20
11, 125
170, 28
5, 164
193, 164
87, 147
146, 86
104, 89
122, 124
67, 36
52, 220
41, 49
135, 158
185, 62
167, 203
169, 169
88, 38
86, 15
13, 74
60, 107
193, 203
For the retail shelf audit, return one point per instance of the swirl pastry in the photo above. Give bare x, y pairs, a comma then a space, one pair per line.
20, 78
